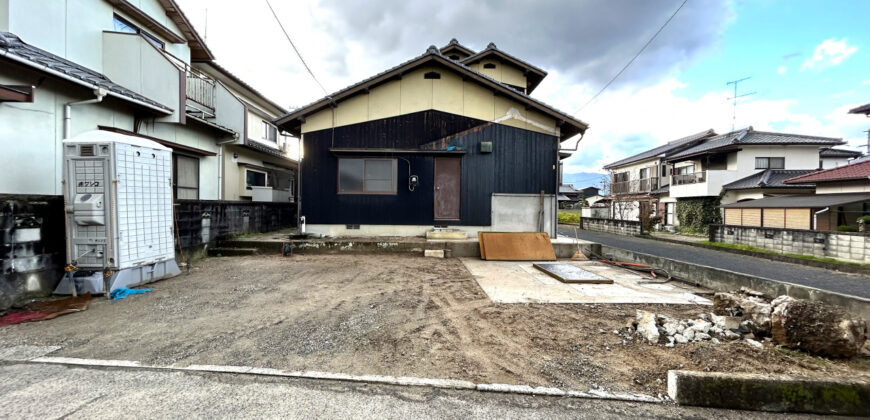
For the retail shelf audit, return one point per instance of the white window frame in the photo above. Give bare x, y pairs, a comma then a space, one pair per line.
265, 182
267, 128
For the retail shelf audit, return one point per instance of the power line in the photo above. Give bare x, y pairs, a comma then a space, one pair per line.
634, 58
296, 49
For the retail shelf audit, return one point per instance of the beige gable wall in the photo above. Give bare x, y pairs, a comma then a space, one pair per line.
412, 93
503, 72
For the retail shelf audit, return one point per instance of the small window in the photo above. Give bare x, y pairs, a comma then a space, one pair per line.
770, 163
489, 66
454, 57
367, 176
685, 170
644, 173
432, 75
255, 179
186, 177
123, 25
269, 132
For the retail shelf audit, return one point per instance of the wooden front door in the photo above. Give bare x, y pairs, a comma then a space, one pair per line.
447, 186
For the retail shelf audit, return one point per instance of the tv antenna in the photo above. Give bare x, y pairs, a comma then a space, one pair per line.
735, 97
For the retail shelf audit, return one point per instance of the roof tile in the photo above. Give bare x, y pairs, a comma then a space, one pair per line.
859, 170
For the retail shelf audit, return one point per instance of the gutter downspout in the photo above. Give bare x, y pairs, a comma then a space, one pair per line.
816, 216
559, 180
67, 110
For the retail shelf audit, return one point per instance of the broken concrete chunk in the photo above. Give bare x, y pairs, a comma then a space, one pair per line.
731, 335
754, 343
702, 326
702, 336
689, 333
434, 253
646, 326
679, 338
817, 328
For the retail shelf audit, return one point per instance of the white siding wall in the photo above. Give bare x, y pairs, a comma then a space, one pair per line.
32, 132
73, 29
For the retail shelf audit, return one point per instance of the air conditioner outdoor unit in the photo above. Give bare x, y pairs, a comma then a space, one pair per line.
118, 208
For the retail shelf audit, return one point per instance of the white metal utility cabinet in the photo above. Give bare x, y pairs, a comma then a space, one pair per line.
119, 218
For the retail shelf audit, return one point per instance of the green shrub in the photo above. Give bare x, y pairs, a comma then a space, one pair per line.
845, 228
697, 214
567, 217
866, 219
651, 222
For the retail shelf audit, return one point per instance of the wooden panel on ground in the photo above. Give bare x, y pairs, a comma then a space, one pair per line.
516, 246
567, 273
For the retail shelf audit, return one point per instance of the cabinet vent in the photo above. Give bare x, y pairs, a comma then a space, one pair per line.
87, 150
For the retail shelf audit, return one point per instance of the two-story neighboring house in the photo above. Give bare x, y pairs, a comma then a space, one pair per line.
636, 181
450, 138
132, 67
137, 68
704, 169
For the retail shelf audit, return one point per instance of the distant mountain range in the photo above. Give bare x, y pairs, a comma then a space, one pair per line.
584, 179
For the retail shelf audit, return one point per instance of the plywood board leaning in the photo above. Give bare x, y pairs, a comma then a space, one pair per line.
516, 246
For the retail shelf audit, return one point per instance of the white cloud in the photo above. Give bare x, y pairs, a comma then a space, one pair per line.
866, 83
626, 122
781, 70
828, 54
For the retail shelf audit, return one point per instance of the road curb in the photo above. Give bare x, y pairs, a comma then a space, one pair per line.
439, 383
843, 268
776, 393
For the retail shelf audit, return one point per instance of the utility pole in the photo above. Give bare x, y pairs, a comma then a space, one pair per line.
735, 97
868, 141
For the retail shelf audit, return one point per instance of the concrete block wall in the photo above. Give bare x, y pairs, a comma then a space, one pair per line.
846, 246
614, 226
201, 222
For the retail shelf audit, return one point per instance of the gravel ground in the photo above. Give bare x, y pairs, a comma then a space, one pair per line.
846, 283
390, 315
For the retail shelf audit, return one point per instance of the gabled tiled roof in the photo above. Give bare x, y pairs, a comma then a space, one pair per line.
770, 178
13, 48
855, 171
748, 136
534, 74
664, 149
433, 55
863, 109
455, 45
833, 153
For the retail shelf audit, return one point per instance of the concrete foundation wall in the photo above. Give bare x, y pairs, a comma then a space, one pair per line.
520, 213
385, 230
619, 227
846, 246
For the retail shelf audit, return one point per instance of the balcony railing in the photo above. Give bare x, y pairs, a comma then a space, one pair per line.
635, 186
200, 91
694, 178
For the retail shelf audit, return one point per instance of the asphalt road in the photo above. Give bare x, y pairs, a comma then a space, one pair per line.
54, 391
846, 283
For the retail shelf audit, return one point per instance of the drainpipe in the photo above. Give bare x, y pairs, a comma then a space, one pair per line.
67, 110
816, 216
559, 181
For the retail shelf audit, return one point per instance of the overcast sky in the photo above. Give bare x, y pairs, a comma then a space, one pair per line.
808, 59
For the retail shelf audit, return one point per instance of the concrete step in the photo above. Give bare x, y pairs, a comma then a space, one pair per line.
227, 251
446, 233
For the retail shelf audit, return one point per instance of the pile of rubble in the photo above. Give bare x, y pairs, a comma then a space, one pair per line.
814, 327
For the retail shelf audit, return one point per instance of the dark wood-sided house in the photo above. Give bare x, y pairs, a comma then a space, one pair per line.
450, 138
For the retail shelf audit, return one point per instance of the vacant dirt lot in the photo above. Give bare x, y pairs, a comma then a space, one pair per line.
390, 315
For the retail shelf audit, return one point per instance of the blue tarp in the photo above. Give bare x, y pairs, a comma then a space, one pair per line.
124, 292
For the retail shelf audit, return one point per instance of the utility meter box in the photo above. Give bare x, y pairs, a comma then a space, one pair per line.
118, 206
